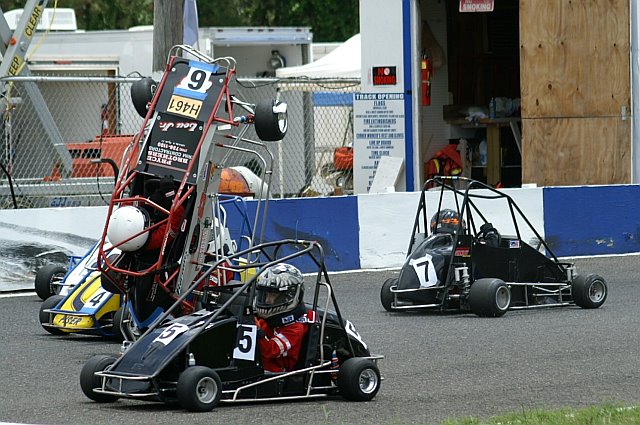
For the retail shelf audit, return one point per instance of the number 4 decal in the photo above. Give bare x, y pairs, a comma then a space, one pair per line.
246, 348
425, 271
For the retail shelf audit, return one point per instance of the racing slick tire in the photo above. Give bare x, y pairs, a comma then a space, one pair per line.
358, 379
89, 381
45, 279
142, 92
47, 304
589, 291
489, 297
199, 389
386, 296
270, 126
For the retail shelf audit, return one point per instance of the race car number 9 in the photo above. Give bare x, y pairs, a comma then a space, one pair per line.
196, 83
425, 271
246, 348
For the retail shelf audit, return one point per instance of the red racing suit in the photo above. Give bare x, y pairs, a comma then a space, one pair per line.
157, 235
280, 346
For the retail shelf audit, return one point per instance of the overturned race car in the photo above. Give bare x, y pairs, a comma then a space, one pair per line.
458, 261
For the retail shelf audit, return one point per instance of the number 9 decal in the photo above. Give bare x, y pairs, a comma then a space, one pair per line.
246, 347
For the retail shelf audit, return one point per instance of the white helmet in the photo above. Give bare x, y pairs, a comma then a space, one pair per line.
279, 289
125, 222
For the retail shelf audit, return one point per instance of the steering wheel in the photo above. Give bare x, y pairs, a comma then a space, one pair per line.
489, 235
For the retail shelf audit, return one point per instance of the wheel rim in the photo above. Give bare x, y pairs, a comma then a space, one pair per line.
54, 283
282, 122
206, 390
597, 291
503, 298
368, 381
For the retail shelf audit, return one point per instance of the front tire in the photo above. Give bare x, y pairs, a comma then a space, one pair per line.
270, 126
386, 296
199, 389
47, 279
489, 297
358, 379
48, 304
589, 291
89, 381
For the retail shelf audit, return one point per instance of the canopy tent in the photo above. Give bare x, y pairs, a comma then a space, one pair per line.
342, 62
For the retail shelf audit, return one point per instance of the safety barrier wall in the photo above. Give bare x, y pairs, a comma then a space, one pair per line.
372, 231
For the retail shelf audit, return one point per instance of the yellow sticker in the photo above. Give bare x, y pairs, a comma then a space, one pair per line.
184, 106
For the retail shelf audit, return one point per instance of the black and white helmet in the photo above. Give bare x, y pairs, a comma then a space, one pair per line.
279, 289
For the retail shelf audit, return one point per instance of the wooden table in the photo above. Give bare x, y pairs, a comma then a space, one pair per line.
493, 126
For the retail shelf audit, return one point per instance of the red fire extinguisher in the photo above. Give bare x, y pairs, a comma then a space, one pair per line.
426, 69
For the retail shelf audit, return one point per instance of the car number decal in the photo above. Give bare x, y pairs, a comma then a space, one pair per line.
351, 330
171, 333
425, 271
246, 348
196, 84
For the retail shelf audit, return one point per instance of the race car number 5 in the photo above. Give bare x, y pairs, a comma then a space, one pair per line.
425, 271
246, 348
171, 333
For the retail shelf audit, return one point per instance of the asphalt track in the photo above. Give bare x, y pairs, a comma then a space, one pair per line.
436, 366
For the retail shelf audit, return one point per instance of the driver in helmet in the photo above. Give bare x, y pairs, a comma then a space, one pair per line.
280, 316
446, 221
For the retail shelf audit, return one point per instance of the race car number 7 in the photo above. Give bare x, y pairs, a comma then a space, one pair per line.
425, 271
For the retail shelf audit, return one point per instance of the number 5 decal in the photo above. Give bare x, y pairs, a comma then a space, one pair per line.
425, 271
246, 348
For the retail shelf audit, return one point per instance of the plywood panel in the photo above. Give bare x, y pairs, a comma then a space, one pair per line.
575, 87
576, 151
574, 57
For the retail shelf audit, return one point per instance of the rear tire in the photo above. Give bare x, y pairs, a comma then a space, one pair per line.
269, 126
589, 291
89, 381
358, 379
199, 389
45, 279
47, 304
386, 296
489, 297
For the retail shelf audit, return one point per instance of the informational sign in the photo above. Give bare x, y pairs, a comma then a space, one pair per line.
476, 5
384, 76
378, 131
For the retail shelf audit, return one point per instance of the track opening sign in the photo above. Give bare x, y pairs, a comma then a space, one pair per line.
378, 131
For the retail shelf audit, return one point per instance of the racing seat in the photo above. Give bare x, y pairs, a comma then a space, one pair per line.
309, 350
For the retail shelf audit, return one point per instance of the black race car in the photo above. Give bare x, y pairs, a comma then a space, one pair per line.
459, 261
212, 355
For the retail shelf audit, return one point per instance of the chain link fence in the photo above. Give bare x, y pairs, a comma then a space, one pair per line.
62, 138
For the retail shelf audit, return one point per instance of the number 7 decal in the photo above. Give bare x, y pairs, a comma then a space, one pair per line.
425, 271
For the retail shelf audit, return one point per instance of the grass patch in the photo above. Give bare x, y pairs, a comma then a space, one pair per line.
607, 414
